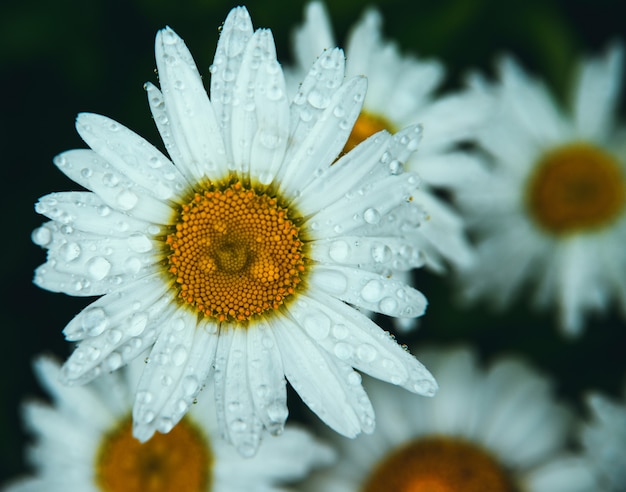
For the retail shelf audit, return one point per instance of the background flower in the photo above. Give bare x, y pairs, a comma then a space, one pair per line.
60, 58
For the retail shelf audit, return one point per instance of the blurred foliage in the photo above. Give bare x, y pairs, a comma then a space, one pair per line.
60, 58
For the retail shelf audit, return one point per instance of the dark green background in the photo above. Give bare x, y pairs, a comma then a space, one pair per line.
67, 56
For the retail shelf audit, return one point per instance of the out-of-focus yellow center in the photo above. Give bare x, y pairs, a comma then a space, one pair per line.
235, 253
180, 461
438, 464
366, 125
575, 188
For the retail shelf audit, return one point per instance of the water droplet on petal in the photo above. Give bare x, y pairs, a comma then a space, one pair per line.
70, 251
339, 251
114, 336
343, 350
190, 385
127, 200
318, 99
371, 216
41, 236
94, 321
139, 243
388, 305
277, 412
381, 253
179, 355
137, 324
98, 267
372, 291
354, 379
366, 352
113, 361
317, 325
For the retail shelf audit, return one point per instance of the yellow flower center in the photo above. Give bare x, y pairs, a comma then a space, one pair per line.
366, 125
235, 253
438, 464
575, 188
178, 461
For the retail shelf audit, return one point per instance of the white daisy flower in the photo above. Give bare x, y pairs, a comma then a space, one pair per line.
497, 429
401, 91
84, 443
604, 440
548, 210
244, 255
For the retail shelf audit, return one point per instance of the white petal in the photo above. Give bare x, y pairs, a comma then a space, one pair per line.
197, 368
362, 41
370, 253
163, 371
314, 36
358, 341
90, 264
242, 425
117, 190
115, 329
87, 212
131, 155
236, 32
369, 290
266, 377
336, 110
329, 387
192, 120
597, 93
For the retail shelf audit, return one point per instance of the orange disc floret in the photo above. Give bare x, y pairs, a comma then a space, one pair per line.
235, 253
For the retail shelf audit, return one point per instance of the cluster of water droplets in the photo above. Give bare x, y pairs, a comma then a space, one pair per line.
359, 342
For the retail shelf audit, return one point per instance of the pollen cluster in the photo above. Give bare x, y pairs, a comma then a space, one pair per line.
438, 464
179, 460
235, 253
575, 188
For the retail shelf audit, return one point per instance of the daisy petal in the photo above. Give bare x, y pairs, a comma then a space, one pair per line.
236, 32
266, 378
597, 93
87, 212
131, 155
315, 35
162, 373
369, 290
335, 394
95, 173
192, 120
355, 339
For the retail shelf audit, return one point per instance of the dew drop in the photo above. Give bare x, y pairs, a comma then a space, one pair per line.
277, 412
137, 324
340, 331
86, 173
110, 180
381, 253
317, 325
127, 200
318, 99
166, 381
366, 352
190, 385
343, 350
165, 425
169, 37
354, 379
179, 355
98, 267
371, 216
103, 210
388, 305
238, 425
139, 243
94, 321
42, 236
70, 251
114, 336
114, 361
132, 265
372, 291
339, 250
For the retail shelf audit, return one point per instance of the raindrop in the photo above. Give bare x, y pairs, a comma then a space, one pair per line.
277, 412
371, 216
317, 325
110, 180
70, 251
94, 321
372, 291
340, 331
86, 173
103, 210
269, 140
166, 381
98, 267
388, 305
147, 417
238, 425
169, 37
137, 324
178, 84
190, 385
305, 115
339, 112
275, 93
381, 253
343, 350
132, 265
155, 162
165, 425
178, 324
127, 200
114, 361
42, 236
366, 352
339, 250
60, 161
318, 99
395, 167
114, 336
179, 355
139, 243
354, 379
